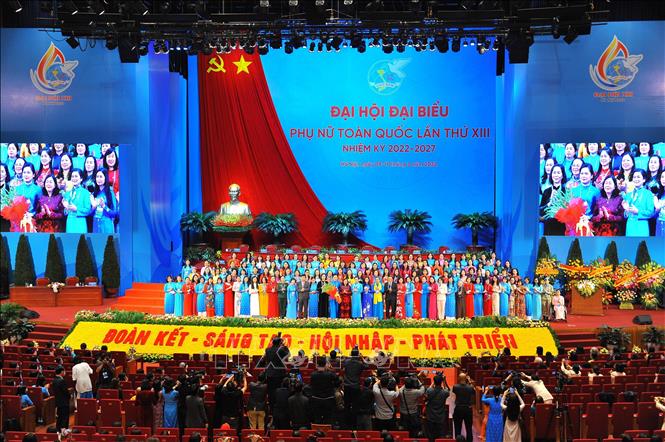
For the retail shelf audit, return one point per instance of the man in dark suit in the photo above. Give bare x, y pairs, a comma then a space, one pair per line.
391, 297
62, 397
303, 297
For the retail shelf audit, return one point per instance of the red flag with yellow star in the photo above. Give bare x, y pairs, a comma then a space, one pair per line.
242, 141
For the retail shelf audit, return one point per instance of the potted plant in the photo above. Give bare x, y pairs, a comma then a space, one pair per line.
654, 338
477, 222
276, 225
14, 326
610, 337
411, 221
345, 223
194, 224
110, 268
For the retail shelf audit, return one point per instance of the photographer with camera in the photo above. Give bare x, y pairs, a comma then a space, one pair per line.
570, 372
299, 410
273, 363
363, 406
538, 387
465, 395
228, 400
436, 417
353, 367
256, 404
105, 372
409, 405
322, 392
385, 393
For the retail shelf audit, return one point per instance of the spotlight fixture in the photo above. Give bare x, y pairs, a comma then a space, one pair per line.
276, 42
472, 42
111, 42
288, 47
456, 44
312, 46
400, 47
465, 43
362, 47
72, 42
15, 5
441, 44
142, 8
387, 48
556, 32
71, 7
319, 47
571, 35
495, 46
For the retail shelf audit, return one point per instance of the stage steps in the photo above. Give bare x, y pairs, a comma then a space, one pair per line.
45, 332
143, 297
573, 339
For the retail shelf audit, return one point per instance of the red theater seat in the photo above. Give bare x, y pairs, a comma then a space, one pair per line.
647, 416
15, 435
110, 412
11, 409
545, 422
104, 393
47, 437
596, 420
622, 417
189, 431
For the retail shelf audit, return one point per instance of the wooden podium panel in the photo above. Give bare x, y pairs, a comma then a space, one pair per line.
592, 306
68, 296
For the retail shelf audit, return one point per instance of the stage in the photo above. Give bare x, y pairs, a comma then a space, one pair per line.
577, 331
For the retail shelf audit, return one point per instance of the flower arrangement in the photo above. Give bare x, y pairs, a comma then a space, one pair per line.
571, 212
226, 220
586, 287
547, 267
649, 300
603, 351
608, 297
637, 350
15, 210
651, 276
625, 276
331, 290
626, 297
55, 286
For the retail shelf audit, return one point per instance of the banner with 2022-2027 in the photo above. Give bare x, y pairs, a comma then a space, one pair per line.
414, 342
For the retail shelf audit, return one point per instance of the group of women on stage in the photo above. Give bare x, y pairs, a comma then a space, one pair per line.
623, 185
393, 286
69, 188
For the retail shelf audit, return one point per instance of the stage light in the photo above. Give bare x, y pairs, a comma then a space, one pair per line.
388, 48
72, 42
276, 42
456, 44
312, 46
441, 44
142, 8
263, 50
362, 47
571, 35
143, 49
465, 43
472, 42
336, 42
164, 6
432, 46
288, 47
495, 46
319, 47
71, 7
96, 7
375, 42
111, 42
15, 5
556, 32
400, 47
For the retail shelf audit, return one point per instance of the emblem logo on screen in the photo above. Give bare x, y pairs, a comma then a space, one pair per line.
54, 74
616, 67
385, 77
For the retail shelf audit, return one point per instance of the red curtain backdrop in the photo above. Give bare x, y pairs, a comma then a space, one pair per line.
242, 142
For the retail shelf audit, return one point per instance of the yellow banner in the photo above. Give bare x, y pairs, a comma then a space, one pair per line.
414, 342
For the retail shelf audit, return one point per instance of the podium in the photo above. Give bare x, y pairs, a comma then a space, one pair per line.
231, 237
591, 306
